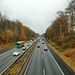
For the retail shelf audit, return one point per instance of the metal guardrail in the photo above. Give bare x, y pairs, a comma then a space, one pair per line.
21, 71
6, 47
6, 50
6, 69
24, 66
3, 48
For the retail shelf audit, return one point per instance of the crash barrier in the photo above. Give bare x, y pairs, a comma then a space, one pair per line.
25, 64
12, 64
6, 49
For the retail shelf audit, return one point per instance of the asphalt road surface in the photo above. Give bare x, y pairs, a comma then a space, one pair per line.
43, 63
7, 58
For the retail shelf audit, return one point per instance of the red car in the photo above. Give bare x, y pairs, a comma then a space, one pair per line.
42, 39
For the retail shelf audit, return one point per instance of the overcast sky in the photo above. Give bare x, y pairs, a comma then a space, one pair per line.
36, 14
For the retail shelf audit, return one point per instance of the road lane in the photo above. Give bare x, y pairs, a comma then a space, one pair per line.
42, 63
7, 58
35, 67
49, 64
65, 68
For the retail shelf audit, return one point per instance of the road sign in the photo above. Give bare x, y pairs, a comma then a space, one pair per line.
44, 36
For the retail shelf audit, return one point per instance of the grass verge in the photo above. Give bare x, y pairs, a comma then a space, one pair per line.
66, 59
8, 47
15, 68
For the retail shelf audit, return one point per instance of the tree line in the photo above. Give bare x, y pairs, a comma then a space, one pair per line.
62, 29
13, 31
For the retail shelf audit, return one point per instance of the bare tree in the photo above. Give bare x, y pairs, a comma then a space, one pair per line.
70, 13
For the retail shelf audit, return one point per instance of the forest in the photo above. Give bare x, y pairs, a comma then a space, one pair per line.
13, 31
61, 33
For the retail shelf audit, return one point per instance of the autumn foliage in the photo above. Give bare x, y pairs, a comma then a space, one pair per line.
62, 30
13, 31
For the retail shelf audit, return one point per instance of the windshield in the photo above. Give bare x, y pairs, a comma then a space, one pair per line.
18, 44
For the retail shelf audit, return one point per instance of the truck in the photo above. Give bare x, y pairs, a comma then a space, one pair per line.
20, 44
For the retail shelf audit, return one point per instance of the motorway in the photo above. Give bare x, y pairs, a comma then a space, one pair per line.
7, 58
43, 63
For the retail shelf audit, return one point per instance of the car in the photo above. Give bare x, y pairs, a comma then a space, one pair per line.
38, 46
16, 53
28, 44
24, 48
43, 43
32, 39
45, 49
42, 39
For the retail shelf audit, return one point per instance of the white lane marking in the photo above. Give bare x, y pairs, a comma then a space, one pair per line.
29, 64
43, 71
57, 64
42, 56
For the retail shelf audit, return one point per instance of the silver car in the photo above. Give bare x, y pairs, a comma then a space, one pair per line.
24, 48
28, 44
16, 53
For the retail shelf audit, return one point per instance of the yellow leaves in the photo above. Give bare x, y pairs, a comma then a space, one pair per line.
11, 31
8, 35
2, 35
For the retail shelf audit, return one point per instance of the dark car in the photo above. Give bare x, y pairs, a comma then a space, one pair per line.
45, 49
43, 43
38, 46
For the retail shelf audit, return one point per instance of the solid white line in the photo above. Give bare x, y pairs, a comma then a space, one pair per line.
43, 71
28, 64
8, 66
57, 64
